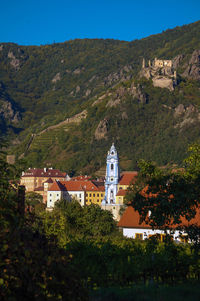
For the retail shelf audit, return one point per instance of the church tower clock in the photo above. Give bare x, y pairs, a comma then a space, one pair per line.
112, 176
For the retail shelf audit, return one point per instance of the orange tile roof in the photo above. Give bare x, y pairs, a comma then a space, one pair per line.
81, 178
127, 177
131, 219
121, 192
76, 186
57, 186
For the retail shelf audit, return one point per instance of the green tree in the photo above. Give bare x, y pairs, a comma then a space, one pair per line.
32, 266
167, 194
33, 198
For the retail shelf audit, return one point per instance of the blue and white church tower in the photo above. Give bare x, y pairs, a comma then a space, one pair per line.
112, 177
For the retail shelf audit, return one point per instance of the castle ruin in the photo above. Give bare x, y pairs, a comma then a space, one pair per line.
161, 72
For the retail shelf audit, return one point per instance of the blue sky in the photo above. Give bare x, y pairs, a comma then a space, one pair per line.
36, 22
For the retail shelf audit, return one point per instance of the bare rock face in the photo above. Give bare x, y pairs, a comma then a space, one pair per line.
122, 75
101, 129
8, 112
78, 89
124, 116
163, 82
138, 94
193, 69
77, 71
14, 62
56, 78
186, 115
113, 102
93, 78
179, 110
176, 60
88, 92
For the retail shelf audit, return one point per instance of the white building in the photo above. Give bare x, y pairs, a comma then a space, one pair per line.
131, 226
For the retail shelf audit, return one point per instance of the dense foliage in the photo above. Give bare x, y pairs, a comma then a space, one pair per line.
41, 86
32, 266
64, 254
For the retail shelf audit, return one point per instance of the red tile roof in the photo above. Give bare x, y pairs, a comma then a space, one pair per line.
49, 180
131, 219
57, 186
76, 186
121, 192
46, 173
127, 177
81, 178
41, 188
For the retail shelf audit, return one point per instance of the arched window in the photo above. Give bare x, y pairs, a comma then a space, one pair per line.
112, 166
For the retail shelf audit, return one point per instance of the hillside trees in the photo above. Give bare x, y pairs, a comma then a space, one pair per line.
32, 266
167, 194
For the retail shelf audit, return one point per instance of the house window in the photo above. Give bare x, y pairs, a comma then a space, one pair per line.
86, 194
79, 195
93, 194
97, 194
102, 194
112, 166
139, 236
57, 194
90, 194
111, 179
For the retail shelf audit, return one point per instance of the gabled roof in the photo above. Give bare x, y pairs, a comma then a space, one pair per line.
57, 186
49, 180
45, 172
131, 219
128, 177
81, 185
121, 192
75, 186
81, 178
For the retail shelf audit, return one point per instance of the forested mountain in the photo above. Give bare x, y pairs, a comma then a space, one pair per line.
63, 104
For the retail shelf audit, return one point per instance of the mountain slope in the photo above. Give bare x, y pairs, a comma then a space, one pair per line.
51, 83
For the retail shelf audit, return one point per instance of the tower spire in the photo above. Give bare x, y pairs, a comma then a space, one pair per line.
112, 176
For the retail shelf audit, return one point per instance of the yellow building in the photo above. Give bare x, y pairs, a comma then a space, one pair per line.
126, 179
95, 196
120, 197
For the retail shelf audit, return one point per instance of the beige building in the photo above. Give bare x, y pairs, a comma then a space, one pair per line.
162, 63
39, 180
